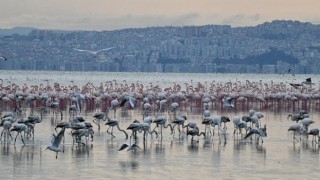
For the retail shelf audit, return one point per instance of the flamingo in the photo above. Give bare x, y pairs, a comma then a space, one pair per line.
297, 128
19, 128
6, 124
32, 121
162, 105
195, 132
306, 122
98, 116
207, 121
295, 117
239, 124
206, 113
63, 125
73, 110
215, 121
56, 108
161, 121
79, 133
225, 120
179, 121
314, 132
114, 104
146, 108
134, 127
190, 125
174, 107
113, 122
146, 125
77, 97
261, 132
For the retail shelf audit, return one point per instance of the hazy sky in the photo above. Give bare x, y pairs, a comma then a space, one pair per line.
118, 14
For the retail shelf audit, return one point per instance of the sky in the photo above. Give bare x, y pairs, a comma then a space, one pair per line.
120, 14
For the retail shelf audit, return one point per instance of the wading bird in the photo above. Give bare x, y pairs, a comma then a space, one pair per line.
6, 129
134, 127
261, 132
113, 122
315, 134
98, 116
297, 128
19, 128
161, 121
179, 121
195, 132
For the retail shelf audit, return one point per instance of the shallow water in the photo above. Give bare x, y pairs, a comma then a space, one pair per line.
279, 157
81, 78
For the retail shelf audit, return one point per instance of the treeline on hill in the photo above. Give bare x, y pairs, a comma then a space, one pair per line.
269, 58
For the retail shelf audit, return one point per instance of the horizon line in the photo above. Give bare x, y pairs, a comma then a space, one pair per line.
156, 26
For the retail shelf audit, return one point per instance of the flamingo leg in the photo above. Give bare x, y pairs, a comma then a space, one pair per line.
22, 139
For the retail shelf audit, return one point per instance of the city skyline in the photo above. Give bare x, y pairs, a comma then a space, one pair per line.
267, 48
112, 15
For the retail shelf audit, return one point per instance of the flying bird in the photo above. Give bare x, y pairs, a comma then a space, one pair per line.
308, 82
3, 58
295, 85
133, 147
95, 53
55, 142
228, 102
131, 100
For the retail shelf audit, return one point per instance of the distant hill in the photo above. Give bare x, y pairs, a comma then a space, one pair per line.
16, 30
268, 58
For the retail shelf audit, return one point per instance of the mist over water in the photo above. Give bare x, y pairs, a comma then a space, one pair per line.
279, 157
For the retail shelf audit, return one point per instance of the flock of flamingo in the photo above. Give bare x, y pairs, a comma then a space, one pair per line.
160, 108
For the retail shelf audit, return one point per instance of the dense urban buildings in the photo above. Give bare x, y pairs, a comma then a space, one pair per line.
272, 47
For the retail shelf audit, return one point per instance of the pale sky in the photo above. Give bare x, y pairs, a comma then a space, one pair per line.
119, 14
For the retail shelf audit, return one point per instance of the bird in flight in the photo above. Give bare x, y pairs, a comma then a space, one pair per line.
308, 82
93, 52
55, 142
228, 102
4, 58
133, 147
132, 101
295, 85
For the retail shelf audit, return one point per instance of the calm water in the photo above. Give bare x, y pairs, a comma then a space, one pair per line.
174, 158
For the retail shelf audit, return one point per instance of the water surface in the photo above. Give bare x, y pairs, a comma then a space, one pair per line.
279, 157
